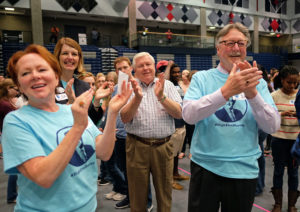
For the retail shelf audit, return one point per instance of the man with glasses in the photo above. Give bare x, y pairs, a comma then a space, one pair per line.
224, 166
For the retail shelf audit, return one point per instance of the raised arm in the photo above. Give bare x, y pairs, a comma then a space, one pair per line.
130, 109
105, 143
173, 108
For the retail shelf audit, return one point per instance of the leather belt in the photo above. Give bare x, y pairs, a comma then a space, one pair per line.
151, 141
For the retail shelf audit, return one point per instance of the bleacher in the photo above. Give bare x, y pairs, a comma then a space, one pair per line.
101, 59
8, 49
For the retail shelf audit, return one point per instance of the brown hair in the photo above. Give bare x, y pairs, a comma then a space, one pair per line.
35, 49
121, 59
86, 74
240, 27
73, 44
4, 85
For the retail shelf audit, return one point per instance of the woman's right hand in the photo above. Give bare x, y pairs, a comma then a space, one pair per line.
80, 108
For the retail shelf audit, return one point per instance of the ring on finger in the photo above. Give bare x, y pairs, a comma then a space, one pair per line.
81, 103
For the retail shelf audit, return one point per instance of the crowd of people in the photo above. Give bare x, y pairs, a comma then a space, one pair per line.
138, 121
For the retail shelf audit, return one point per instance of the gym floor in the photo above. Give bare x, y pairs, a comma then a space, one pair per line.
262, 203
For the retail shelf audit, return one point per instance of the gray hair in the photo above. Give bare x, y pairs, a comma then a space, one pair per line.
240, 27
141, 54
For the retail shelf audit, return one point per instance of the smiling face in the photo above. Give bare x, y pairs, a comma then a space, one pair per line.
37, 80
230, 55
144, 69
68, 58
175, 74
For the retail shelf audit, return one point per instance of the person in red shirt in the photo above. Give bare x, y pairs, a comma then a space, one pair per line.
54, 34
169, 35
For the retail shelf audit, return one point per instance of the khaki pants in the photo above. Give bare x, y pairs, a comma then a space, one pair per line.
177, 139
141, 159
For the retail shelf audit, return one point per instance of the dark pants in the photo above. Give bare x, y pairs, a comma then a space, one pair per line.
12, 188
281, 152
208, 191
112, 165
188, 136
104, 173
261, 163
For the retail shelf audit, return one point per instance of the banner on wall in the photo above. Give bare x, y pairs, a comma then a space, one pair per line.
82, 39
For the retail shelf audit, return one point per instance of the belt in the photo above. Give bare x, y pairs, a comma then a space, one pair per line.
151, 141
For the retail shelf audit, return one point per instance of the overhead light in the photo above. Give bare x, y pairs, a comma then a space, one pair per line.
9, 9
212, 27
272, 33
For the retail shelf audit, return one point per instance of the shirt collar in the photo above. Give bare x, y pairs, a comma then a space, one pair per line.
222, 70
144, 84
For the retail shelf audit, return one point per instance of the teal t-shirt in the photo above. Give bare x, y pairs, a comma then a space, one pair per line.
29, 133
226, 143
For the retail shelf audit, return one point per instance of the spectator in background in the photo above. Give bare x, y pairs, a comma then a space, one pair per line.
69, 55
169, 36
284, 138
178, 136
1, 78
273, 74
8, 97
54, 34
100, 79
95, 36
184, 84
89, 78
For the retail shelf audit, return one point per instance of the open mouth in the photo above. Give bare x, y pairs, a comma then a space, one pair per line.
38, 86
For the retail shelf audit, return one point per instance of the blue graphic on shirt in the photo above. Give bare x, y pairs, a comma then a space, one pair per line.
83, 151
233, 110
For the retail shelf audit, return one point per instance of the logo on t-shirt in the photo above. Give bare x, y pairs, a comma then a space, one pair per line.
83, 151
234, 109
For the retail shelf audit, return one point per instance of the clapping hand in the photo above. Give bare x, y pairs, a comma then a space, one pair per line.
245, 80
69, 91
136, 89
159, 86
103, 91
80, 108
118, 101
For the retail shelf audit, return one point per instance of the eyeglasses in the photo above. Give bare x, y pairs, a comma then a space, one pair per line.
231, 43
